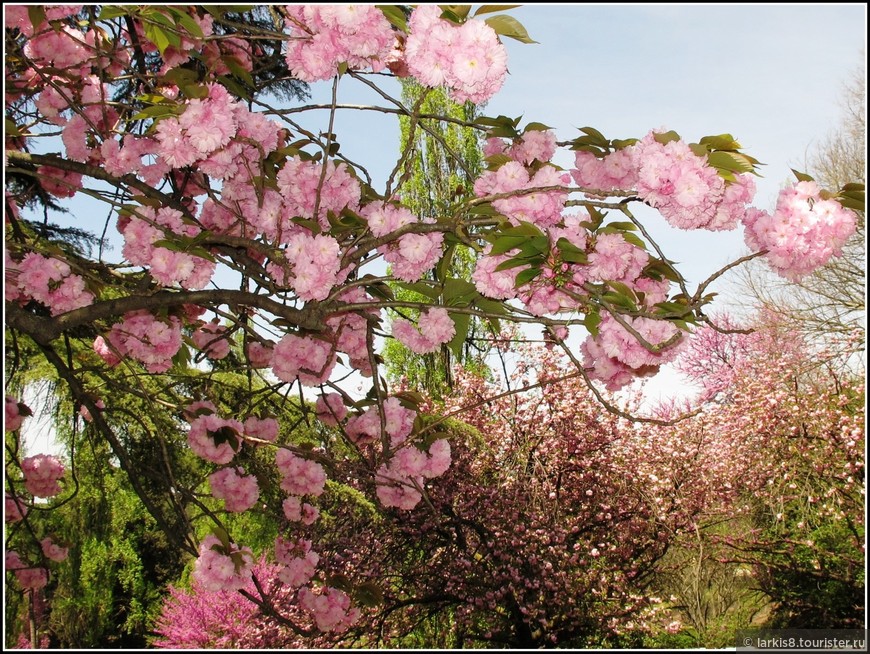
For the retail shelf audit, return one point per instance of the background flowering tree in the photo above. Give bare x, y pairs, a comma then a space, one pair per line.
252, 247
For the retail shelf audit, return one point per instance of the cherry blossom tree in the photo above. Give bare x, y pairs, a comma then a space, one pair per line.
248, 237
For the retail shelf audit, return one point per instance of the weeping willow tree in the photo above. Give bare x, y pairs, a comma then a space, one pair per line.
442, 160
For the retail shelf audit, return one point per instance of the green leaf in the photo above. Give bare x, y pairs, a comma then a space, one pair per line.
381, 291
423, 288
536, 127
490, 9
455, 13
634, 239
410, 399
730, 161
488, 305
11, 128
512, 263
368, 594
850, 202
720, 142
526, 276
619, 300
591, 322
509, 26
624, 226
595, 137
622, 289
802, 177
505, 244
462, 322
339, 581
179, 76
620, 144
108, 12
238, 70
36, 13
183, 19
239, 90
395, 16
226, 434
198, 91
459, 292
157, 35
666, 137
158, 111
222, 535
182, 358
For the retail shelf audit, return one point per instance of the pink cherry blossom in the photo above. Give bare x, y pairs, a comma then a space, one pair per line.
309, 358
15, 509
214, 438
42, 474
15, 414
435, 327
211, 339
331, 609
238, 491
217, 569
53, 551
803, 233
299, 476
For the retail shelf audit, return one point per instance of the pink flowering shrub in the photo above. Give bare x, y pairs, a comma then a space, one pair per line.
205, 619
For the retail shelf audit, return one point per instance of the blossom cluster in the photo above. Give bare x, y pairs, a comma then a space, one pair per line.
299, 561
141, 234
686, 190
54, 551
400, 480
142, 336
803, 233
14, 509
49, 281
324, 36
214, 438
14, 414
398, 421
42, 475
211, 338
330, 608
296, 510
468, 59
27, 576
542, 208
218, 569
617, 357
299, 476
238, 490
434, 328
